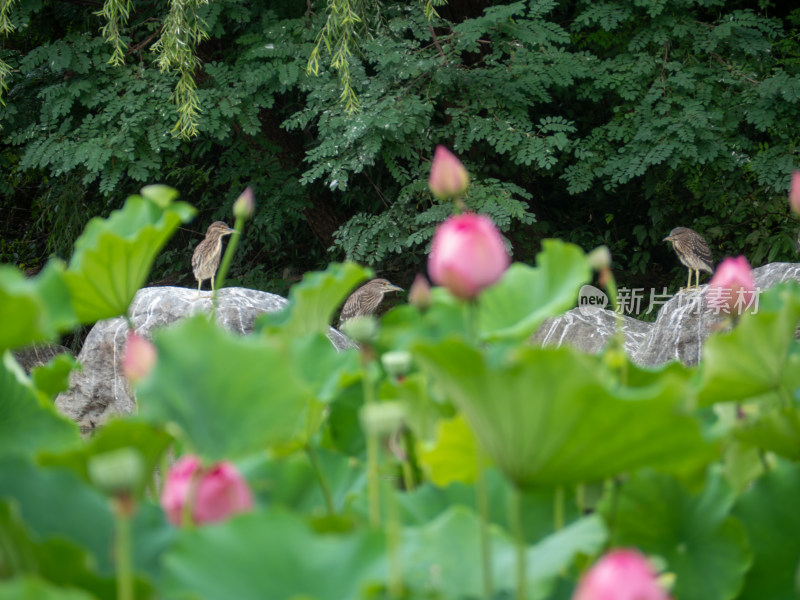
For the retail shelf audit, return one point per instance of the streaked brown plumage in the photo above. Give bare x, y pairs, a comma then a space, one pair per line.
365, 300
206, 256
693, 252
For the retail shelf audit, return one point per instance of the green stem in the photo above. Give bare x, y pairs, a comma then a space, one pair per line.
393, 532
219, 280
558, 512
580, 498
405, 465
515, 517
482, 502
323, 482
122, 550
373, 450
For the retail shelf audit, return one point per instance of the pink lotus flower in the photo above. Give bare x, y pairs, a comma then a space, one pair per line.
215, 493
245, 204
794, 193
467, 255
622, 574
138, 358
448, 177
732, 289
419, 295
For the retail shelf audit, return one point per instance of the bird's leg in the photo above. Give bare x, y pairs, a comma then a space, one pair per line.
212, 285
697, 278
689, 282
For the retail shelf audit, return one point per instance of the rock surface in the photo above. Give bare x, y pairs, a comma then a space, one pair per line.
100, 390
683, 324
37, 355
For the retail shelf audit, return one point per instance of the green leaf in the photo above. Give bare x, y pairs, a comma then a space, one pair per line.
35, 309
760, 359
33, 588
554, 416
702, 544
113, 256
229, 395
313, 301
151, 442
769, 514
525, 296
29, 423
434, 555
453, 457
53, 378
271, 554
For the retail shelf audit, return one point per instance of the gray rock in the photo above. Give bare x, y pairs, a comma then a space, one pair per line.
681, 328
99, 390
589, 328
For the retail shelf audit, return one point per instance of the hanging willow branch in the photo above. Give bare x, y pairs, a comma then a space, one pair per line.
340, 35
6, 28
183, 31
116, 13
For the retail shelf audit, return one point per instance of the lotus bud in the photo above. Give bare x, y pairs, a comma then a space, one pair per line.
245, 204
382, 418
449, 178
396, 363
361, 329
794, 194
214, 494
467, 255
623, 574
599, 258
118, 471
419, 295
138, 358
732, 288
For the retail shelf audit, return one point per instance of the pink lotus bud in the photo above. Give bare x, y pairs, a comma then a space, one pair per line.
138, 358
419, 294
215, 493
467, 255
448, 177
245, 204
794, 193
732, 289
621, 574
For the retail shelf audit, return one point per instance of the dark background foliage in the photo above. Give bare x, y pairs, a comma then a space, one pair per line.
596, 122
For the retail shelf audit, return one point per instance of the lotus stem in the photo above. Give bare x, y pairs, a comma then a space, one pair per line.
515, 518
482, 502
323, 481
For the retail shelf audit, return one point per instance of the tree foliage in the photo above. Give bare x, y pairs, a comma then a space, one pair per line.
599, 122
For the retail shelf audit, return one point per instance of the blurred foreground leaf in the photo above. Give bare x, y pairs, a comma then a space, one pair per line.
705, 547
770, 515
229, 395
34, 309
28, 422
113, 256
551, 416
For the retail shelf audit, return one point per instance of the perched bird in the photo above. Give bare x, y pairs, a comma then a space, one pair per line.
205, 259
365, 300
693, 252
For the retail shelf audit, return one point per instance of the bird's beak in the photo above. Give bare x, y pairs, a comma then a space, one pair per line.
394, 288
667, 239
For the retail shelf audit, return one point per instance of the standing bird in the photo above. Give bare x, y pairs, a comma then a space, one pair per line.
205, 259
365, 300
693, 252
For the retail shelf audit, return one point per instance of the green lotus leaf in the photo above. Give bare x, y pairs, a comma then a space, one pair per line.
228, 395
313, 301
29, 423
53, 378
703, 545
113, 256
29, 587
516, 305
272, 554
770, 516
434, 555
35, 309
760, 359
453, 457
551, 416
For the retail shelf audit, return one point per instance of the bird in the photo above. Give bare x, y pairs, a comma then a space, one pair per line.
365, 300
205, 258
693, 252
